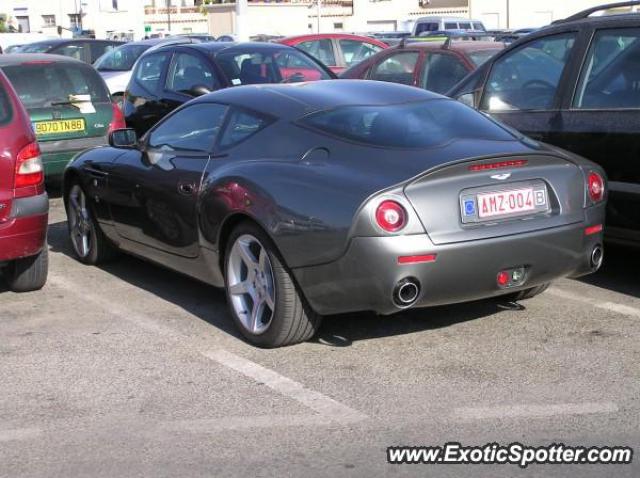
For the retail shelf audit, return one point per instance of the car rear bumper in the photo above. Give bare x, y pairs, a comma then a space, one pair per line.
25, 233
365, 278
57, 154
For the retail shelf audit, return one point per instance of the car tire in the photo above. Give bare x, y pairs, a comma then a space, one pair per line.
98, 249
528, 293
30, 273
291, 320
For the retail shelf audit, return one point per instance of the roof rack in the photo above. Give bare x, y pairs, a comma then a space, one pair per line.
466, 35
590, 11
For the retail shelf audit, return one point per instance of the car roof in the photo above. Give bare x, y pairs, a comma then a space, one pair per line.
462, 46
291, 101
320, 36
22, 58
216, 47
61, 41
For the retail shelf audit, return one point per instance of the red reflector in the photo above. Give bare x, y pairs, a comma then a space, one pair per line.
417, 259
514, 163
503, 278
591, 230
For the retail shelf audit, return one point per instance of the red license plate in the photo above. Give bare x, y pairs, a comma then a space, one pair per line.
506, 203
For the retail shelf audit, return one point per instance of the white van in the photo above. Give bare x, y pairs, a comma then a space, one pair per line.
426, 25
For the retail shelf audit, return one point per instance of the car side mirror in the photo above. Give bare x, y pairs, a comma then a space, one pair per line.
125, 138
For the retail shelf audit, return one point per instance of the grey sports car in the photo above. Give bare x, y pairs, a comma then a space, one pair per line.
330, 197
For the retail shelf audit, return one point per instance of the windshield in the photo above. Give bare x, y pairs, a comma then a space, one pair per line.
36, 48
274, 66
423, 124
480, 57
57, 84
121, 58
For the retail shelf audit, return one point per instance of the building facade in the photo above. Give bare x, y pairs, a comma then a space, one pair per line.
291, 17
514, 14
103, 18
166, 17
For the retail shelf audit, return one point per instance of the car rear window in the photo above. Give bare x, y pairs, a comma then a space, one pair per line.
5, 106
481, 56
285, 65
120, 59
423, 124
43, 86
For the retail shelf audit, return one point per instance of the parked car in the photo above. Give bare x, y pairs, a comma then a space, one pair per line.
575, 85
24, 205
338, 51
68, 103
116, 65
166, 78
83, 49
337, 197
433, 66
430, 24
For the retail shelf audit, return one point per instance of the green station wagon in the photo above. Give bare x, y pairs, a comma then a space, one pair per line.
68, 103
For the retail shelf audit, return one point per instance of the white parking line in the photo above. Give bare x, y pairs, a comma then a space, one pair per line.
218, 424
608, 306
325, 406
533, 411
328, 409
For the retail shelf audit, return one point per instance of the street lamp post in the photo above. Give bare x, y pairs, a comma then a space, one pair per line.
241, 20
319, 11
169, 15
508, 13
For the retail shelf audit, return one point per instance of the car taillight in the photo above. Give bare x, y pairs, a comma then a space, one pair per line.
29, 168
595, 186
117, 121
391, 216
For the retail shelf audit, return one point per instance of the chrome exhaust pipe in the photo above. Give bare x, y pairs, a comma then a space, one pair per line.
597, 256
406, 292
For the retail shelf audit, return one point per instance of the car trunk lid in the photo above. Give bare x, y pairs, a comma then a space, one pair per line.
497, 197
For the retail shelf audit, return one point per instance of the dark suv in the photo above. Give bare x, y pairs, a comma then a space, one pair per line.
575, 84
87, 50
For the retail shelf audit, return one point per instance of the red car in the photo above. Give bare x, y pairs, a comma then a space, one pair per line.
24, 205
338, 51
434, 66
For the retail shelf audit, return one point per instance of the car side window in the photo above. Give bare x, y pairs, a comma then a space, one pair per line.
99, 49
79, 51
320, 49
441, 72
242, 124
355, 51
397, 68
189, 71
149, 71
528, 78
194, 128
426, 27
610, 77
451, 26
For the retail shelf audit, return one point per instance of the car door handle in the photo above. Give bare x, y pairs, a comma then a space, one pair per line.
186, 189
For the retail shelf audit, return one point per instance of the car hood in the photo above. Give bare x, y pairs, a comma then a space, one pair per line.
117, 81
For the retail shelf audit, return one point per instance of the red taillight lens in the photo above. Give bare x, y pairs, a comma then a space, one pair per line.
29, 168
595, 187
391, 216
117, 121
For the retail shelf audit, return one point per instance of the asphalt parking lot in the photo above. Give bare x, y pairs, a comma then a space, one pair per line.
132, 370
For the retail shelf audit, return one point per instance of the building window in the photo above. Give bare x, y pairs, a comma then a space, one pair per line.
23, 24
338, 26
74, 20
48, 20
